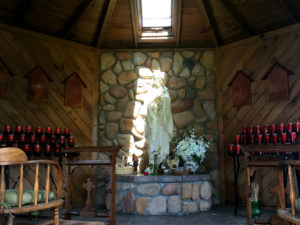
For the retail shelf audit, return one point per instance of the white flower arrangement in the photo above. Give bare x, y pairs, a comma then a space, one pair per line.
192, 150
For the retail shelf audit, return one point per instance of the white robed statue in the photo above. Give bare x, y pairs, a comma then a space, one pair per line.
159, 121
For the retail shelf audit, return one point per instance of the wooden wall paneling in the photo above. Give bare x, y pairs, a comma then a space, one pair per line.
283, 47
23, 51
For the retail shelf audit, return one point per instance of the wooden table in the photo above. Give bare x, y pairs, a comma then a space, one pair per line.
252, 165
71, 164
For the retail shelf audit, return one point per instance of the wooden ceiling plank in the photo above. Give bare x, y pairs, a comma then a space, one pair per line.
237, 17
134, 22
19, 21
209, 22
82, 8
288, 10
108, 15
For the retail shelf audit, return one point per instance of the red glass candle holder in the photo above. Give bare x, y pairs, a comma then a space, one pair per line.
297, 126
38, 130
258, 129
293, 137
238, 149
48, 130
18, 128
237, 139
37, 149
22, 138
244, 130
290, 127
259, 139
250, 130
11, 137
7, 128
281, 128
275, 138
266, 129
267, 138
43, 139
283, 138
231, 148
27, 148
29, 129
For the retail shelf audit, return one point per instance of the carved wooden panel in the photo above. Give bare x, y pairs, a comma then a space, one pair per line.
277, 83
38, 84
4, 75
241, 89
74, 91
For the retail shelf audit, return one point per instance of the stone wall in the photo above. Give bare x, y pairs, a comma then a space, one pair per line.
163, 195
123, 90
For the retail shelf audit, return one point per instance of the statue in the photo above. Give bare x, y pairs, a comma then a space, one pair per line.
159, 121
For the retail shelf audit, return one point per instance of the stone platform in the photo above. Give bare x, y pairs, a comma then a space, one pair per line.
163, 194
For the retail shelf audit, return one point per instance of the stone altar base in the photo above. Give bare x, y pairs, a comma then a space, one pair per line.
163, 194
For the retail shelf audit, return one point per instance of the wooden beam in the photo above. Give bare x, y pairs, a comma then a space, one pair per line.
237, 17
209, 22
20, 18
65, 32
103, 29
286, 8
178, 22
134, 18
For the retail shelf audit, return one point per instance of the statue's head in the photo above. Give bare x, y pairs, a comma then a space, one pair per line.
158, 79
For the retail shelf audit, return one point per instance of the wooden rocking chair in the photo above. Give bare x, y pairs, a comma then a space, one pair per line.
19, 201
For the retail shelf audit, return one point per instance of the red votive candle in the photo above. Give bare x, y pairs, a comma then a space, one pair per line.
43, 138
259, 138
266, 129
1, 137
238, 149
32, 138
267, 138
293, 137
38, 130
281, 128
244, 131
237, 139
22, 138
11, 137
297, 127
274, 139
26, 148
28, 129
258, 129
57, 130
19, 128
289, 127
48, 130
231, 147
244, 139
283, 138
250, 130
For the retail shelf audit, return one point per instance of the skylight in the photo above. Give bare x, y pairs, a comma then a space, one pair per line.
156, 13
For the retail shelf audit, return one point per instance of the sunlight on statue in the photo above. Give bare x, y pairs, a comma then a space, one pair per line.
159, 122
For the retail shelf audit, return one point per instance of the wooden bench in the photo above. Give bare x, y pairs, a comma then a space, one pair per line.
41, 199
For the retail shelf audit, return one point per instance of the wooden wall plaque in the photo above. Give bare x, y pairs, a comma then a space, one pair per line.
277, 83
74, 91
4, 75
38, 84
240, 89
